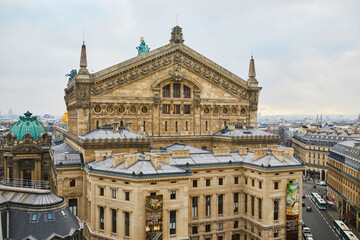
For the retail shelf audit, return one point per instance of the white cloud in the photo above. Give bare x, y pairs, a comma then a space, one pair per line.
306, 52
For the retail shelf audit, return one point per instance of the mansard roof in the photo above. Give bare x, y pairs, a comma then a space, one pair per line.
107, 132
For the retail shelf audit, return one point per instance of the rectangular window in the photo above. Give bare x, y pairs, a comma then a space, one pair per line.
173, 195
113, 213
102, 191
276, 233
166, 91
166, 109
207, 228
245, 202
176, 90
220, 181
165, 126
252, 205
101, 213
194, 229
260, 185
276, 209
144, 126
73, 206
236, 224
252, 182
220, 204
127, 224
276, 185
176, 109
236, 202
246, 180
206, 125
220, 226
195, 183
186, 109
176, 126
186, 92
208, 182
236, 180
194, 207
72, 182
260, 207
207, 206
127, 196
186, 126
172, 222
113, 193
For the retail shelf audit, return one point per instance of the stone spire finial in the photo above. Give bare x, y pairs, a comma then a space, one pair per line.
83, 61
252, 73
176, 35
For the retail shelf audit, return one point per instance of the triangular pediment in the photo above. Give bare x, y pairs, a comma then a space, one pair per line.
169, 57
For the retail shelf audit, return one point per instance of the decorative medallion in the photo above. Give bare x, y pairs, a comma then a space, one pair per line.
234, 111
206, 110
216, 110
225, 111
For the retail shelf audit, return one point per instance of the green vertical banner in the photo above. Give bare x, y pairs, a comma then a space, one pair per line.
154, 217
292, 210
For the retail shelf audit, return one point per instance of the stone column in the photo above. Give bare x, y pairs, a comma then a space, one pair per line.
16, 169
37, 172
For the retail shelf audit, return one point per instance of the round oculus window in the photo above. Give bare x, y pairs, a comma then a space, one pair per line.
121, 109
97, 109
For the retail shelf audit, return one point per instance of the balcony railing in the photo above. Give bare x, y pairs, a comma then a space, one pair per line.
24, 183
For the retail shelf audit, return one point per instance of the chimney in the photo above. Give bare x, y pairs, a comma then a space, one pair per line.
273, 147
221, 151
242, 150
115, 126
101, 155
118, 158
279, 154
258, 153
156, 162
288, 151
130, 159
164, 157
180, 153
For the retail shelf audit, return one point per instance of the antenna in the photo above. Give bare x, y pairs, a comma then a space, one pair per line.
252, 52
84, 34
177, 20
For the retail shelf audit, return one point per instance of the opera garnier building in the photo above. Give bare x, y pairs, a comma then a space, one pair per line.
165, 146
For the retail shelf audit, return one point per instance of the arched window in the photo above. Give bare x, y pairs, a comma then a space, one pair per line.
176, 90
186, 92
166, 91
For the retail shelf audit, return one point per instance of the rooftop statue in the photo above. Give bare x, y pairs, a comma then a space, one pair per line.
142, 48
72, 74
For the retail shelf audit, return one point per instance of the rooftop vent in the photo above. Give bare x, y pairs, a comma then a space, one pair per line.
101, 155
221, 151
180, 153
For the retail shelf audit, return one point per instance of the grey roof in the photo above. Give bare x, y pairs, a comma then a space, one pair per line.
239, 132
141, 166
21, 226
65, 154
323, 139
181, 146
348, 149
32, 197
109, 133
234, 157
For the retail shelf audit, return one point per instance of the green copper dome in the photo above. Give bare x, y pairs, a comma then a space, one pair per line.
27, 124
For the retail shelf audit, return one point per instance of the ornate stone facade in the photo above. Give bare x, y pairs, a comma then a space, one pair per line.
169, 91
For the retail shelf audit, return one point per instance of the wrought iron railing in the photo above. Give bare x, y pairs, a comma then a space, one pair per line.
24, 183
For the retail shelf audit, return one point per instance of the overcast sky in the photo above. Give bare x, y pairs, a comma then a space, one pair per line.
307, 52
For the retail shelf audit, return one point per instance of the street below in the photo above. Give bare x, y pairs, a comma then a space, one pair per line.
319, 221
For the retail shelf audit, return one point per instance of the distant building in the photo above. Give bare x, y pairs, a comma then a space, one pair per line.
25, 149
344, 180
313, 149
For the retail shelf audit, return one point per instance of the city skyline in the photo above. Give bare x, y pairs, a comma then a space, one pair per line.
305, 53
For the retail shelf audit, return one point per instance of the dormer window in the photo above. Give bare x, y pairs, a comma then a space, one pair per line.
176, 90
34, 217
186, 92
49, 216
